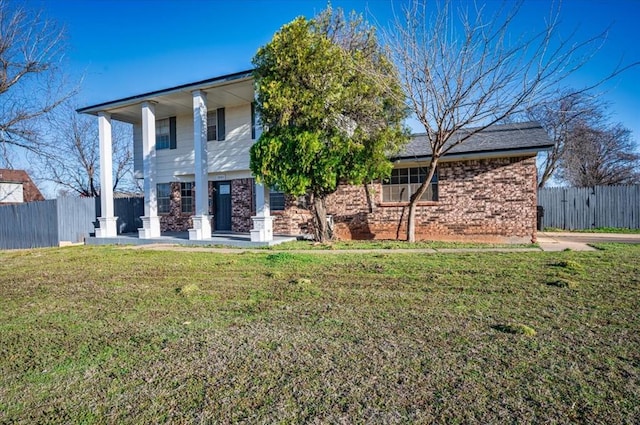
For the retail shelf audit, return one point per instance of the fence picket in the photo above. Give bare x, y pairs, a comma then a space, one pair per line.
66, 219
573, 208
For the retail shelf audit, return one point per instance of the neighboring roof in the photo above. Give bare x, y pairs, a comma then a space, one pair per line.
93, 109
30, 190
525, 138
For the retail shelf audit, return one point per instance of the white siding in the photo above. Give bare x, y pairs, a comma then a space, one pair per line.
229, 156
232, 154
11, 192
180, 159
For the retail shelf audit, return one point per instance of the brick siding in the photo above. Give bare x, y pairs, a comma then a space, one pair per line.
483, 200
296, 219
242, 202
175, 221
241, 208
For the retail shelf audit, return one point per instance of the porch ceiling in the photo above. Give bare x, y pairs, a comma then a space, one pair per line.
179, 101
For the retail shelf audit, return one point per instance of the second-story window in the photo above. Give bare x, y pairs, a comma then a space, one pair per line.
216, 125
253, 120
162, 134
166, 133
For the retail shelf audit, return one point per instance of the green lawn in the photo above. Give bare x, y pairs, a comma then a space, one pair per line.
108, 335
389, 244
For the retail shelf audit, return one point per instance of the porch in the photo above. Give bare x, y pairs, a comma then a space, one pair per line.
193, 135
239, 240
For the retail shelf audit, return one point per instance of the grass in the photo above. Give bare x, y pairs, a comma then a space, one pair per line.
392, 244
596, 230
107, 335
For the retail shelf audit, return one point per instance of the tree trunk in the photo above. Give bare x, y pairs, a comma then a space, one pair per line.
321, 230
415, 198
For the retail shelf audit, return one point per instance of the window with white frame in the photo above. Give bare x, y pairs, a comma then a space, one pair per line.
186, 197
216, 125
405, 181
163, 196
212, 126
163, 134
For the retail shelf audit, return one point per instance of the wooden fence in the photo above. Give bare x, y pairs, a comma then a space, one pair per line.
573, 208
46, 223
128, 210
66, 219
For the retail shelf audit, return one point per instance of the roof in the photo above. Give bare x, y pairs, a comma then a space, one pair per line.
203, 84
30, 190
521, 138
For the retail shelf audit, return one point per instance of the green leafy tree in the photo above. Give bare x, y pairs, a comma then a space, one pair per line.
331, 107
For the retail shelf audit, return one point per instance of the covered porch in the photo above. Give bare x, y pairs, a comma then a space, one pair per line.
190, 155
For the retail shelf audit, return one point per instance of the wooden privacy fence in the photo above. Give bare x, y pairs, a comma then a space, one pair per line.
128, 210
576, 208
46, 223
66, 219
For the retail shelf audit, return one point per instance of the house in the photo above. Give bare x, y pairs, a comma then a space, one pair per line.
17, 187
191, 146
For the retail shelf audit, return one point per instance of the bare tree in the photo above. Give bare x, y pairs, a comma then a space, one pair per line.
463, 70
71, 157
31, 82
599, 156
559, 117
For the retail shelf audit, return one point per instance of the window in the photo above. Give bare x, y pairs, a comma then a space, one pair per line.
186, 196
276, 199
215, 125
164, 198
404, 181
253, 120
166, 133
162, 134
212, 126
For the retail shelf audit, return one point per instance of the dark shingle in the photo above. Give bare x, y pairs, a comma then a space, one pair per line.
498, 138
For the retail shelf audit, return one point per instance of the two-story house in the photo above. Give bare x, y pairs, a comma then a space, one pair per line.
191, 148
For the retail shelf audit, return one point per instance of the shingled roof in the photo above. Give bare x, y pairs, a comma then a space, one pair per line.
528, 137
30, 190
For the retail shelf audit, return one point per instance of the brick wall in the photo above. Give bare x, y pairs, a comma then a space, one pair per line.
241, 208
296, 219
484, 200
175, 221
242, 205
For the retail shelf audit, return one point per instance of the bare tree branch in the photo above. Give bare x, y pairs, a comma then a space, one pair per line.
599, 155
31, 81
559, 117
465, 70
70, 158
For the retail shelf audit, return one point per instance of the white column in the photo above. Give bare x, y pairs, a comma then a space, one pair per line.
202, 219
150, 220
262, 222
108, 227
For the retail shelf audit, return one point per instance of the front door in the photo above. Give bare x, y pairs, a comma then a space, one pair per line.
223, 206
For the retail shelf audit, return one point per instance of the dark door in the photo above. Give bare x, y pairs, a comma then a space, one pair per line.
223, 206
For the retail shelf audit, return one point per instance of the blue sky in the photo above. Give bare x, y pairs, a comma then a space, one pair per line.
125, 47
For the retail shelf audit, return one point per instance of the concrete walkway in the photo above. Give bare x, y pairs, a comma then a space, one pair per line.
559, 241
547, 241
